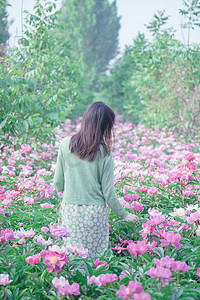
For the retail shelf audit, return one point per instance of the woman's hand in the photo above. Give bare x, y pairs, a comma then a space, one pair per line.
131, 217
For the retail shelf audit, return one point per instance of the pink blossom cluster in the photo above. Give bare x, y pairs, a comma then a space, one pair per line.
120, 247
98, 262
59, 231
153, 226
164, 268
46, 205
55, 258
158, 227
133, 290
25, 148
40, 240
137, 206
102, 279
124, 274
77, 250
137, 248
4, 279
33, 260
24, 234
170, 238
5, 235
194, 217
47, 191
131, 197
64, 288
28, 200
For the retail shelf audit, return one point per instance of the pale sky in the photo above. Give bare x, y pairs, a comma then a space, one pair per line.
134, 14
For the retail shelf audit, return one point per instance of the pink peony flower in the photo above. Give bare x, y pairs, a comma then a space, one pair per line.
47, 191
165, 262
123, 274
188, 193
126, 291
160, 272
180, 266
107, 278
137, 206
194, 217
131, 197
191, 165
198, 231
46, 205
2, 190
190, 157
24, 234
33, 260
45, 229
43, 172
78, 249
5, 235
94, 280
152, 190
102, 279
25, 148
64, 288
142, 296
119, 248
98, 262
59, 282
4, 279
59, 231
171, 238
40, 240
170, 263
55, 258
143, 189
138, 247
28, 200
198, 271
68, 289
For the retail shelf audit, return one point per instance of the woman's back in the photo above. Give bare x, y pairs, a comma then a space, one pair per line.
82, 179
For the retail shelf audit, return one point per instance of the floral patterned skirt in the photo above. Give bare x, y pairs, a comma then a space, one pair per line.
88, 225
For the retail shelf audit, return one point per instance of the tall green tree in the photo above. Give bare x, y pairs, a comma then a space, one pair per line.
38, 83
117, 88
4, 34
92, 27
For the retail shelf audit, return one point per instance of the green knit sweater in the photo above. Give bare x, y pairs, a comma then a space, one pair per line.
83, 182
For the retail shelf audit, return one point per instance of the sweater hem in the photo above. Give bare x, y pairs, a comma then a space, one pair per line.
84, 201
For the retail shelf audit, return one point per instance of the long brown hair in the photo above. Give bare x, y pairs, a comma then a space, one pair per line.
96, 129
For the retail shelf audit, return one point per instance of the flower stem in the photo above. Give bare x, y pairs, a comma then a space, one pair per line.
36, 272
4, 293
4, 259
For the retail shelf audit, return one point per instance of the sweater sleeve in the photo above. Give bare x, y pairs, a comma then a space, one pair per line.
59, 172
108, 188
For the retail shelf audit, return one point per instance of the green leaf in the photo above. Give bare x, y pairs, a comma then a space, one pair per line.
2, 124
3, 84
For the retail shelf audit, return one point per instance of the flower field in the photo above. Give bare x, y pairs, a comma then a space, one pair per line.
157, 176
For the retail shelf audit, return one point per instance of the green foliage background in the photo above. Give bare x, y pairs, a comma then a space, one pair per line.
4, 34
92, 28
39, 81
157, 82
